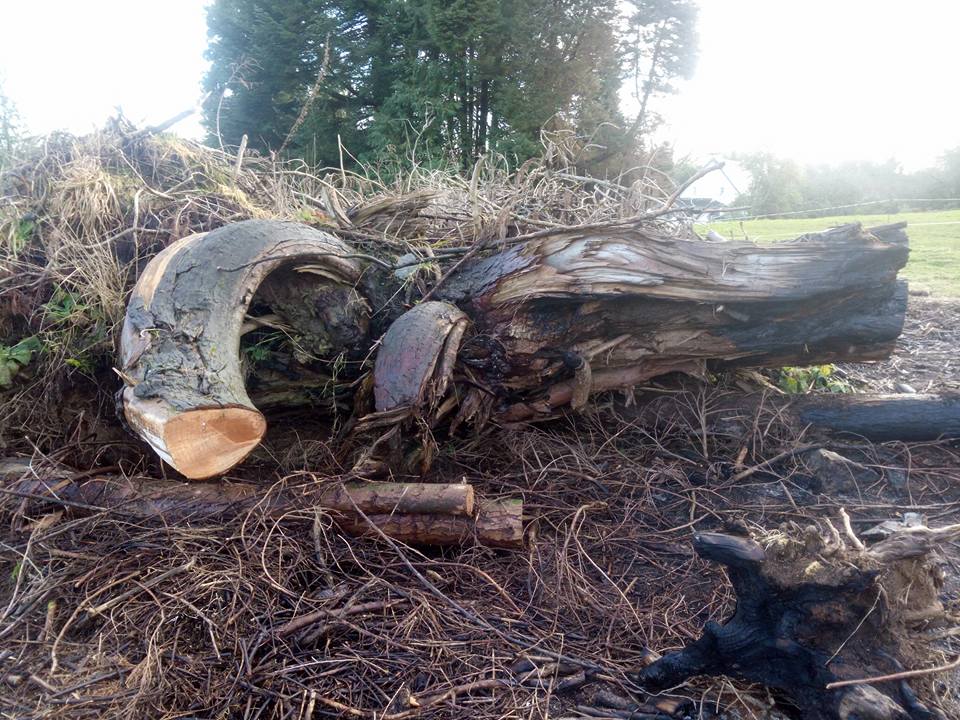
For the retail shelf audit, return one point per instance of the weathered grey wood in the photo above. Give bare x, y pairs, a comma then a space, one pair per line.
180, 346
635, 304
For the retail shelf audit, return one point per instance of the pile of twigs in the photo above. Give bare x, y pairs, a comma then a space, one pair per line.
267, 617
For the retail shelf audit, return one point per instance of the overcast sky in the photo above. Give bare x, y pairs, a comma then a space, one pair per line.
817, 80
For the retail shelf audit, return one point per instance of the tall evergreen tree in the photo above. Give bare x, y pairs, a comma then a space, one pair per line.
458, 77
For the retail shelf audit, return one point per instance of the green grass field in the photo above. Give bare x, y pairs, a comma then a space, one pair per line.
934, 242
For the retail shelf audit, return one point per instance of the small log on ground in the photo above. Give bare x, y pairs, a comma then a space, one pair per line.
873, 416
414, 513
180, 345
884, 417
811, 612
498, 523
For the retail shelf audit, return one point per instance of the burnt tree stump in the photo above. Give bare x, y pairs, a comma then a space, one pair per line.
811, 612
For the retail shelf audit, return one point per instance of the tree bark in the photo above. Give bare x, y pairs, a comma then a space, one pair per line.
414, 513
180, 345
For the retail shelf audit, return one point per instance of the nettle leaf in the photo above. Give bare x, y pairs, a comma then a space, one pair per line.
22, 352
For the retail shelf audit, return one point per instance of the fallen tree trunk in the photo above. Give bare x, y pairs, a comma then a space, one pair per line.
516, 335
637, 305
414, 513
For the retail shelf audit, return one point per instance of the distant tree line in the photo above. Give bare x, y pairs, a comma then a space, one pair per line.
783, 186
11, 130
319, 79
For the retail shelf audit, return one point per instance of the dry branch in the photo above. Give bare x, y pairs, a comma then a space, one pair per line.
414, 513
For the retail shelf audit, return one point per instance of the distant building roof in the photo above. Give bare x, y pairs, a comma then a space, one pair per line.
723, 185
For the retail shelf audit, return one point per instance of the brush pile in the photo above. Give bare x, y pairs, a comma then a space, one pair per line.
264, 608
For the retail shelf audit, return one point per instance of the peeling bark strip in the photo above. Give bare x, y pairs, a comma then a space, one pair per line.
414, 513
635, 304
415, 361
180, 345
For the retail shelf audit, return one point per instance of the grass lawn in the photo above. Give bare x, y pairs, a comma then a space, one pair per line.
934, 242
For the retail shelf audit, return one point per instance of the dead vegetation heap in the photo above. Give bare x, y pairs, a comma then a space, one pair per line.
267, 616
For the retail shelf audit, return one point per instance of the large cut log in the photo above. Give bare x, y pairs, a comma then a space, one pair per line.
180, 345
817, 620
632, 305
414, 513
516, 335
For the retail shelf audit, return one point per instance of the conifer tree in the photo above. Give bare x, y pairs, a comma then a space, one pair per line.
449, 78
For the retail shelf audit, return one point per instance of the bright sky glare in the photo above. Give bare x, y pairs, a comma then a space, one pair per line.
817, 81
823, 81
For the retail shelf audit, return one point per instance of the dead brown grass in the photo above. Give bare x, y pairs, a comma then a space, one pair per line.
104, 616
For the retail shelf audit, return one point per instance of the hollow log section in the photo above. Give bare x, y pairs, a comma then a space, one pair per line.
414, 513
180, 345
532, 328
803, 621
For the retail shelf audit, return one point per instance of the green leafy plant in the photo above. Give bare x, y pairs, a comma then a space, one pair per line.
16, 357
63, 306
795, 380
267, 343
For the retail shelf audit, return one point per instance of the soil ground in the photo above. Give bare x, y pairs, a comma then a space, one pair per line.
105, 617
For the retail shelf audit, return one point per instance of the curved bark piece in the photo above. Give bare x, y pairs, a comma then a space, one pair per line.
179, 349
415, 361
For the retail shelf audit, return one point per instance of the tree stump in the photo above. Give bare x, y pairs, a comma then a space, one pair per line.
810, 612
